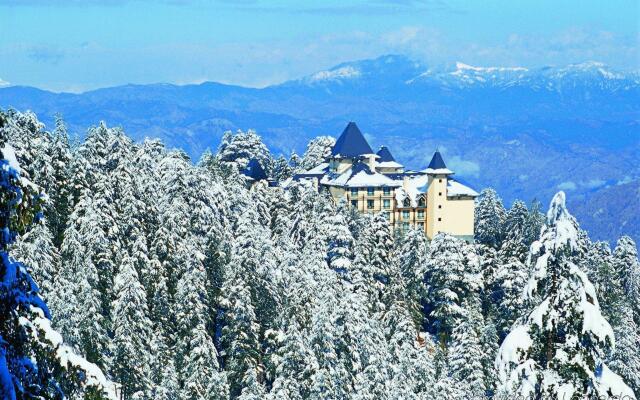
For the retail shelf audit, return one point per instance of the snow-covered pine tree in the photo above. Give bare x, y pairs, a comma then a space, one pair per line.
489, 219
515, 244
626, 356
36, 250
77, 299
535, 222
240, 333
490, 344
318, 150
409, 362
281, 169
509, 281
294, 162
242, 147
559, 350
598, 264
34, 362
196, 357
374, 251
625, 262
466, 351
60, 156
449, 280
329, 377
413, 262
131, 332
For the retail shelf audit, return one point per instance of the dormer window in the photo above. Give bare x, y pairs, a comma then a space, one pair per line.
421, 202
406, 203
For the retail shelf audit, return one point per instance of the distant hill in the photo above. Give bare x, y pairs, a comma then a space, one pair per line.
525, 132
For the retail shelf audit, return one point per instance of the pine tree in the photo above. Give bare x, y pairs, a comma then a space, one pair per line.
626, 264
560, 349
239, 149
60, 195
490, 216
598, 264
413, 263
373, 261
34, 361
449, 280
36, 249
515, 244
535, 222
318, 150
132, 332
466, 352
281, 169
509, 281
241, 332
81, 316
626, 356
197, 358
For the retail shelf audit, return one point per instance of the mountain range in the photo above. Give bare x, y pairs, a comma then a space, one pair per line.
526, 132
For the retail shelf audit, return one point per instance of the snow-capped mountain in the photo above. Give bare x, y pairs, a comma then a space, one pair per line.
525, 131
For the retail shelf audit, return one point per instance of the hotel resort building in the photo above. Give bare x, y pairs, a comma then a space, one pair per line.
431, 199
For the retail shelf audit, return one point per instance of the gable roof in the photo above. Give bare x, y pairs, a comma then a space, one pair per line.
255, 171
436, 161
351, 143
385, 154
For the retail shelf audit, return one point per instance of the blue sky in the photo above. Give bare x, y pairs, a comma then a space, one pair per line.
76, 45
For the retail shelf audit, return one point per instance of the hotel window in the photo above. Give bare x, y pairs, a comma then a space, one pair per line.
354, 203
439, 219
386, 204
439, 205
440, 180
439, 193
405, 226
420, 214
386, 191
421, 202
405, 214
354, 191
387, 216
369, 204
370, 191
421, 225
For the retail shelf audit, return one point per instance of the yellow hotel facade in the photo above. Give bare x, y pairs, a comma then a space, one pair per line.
430, 200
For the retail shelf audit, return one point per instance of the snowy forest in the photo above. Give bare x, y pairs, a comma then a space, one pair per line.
130, 271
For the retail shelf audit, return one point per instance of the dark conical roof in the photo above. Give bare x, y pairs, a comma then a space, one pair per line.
351, 143
385, 154
437, 162
255, 171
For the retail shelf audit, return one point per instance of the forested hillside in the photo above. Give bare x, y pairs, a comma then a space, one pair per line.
181, 281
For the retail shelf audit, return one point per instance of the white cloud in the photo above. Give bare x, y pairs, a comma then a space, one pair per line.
594, 183
567, 185
3, 83
625, 180
463, 167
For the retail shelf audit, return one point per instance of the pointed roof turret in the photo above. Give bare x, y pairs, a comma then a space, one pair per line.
385, 154
437, 165
351, 143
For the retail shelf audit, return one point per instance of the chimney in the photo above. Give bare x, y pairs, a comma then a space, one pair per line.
371, 161
405, 183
